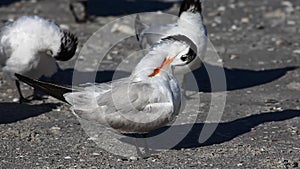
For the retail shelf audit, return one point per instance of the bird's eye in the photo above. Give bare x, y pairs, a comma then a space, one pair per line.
69, 41
184, 58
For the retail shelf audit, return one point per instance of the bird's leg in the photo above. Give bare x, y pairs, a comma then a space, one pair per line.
37, 95
184, 87
21, 97
138, 151
146, 152
146, 147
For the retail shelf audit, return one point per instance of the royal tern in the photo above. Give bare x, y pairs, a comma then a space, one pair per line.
189, 23
31, 45
146, 100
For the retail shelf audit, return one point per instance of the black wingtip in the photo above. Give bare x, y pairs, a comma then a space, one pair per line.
54, 90
193, 6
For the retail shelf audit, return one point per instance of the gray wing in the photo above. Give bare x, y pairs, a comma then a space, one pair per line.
148, 35
127, 96
125, 107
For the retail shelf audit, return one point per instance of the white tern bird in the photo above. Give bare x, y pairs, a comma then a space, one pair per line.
190, 24
31, 45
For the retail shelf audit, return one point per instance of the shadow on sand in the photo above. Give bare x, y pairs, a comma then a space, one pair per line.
125, 7
236, 78
225, 131
7, 2
13, 112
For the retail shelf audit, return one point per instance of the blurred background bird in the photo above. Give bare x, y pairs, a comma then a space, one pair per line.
31, 45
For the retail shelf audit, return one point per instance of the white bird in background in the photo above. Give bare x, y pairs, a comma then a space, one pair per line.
31, 45
189, 24
149, 99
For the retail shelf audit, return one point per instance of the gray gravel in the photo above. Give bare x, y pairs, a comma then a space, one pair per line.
259, 44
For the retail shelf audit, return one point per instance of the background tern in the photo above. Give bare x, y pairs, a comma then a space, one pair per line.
146, 100
31, 45
190, 24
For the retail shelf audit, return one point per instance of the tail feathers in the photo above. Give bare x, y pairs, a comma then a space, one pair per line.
53, 90
193, 6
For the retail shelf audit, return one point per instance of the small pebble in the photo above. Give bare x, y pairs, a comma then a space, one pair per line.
292, 23
245, 20
233, 56
222, 9
95, 154
68, 158
133, 158
239, 164
281, 42
296, 51
81, 58
57, 110
234, 27
55, 128
16, 100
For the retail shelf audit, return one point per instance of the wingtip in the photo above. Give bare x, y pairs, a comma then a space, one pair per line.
54, 90
23, 78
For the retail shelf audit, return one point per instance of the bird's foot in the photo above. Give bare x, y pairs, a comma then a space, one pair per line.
23, 100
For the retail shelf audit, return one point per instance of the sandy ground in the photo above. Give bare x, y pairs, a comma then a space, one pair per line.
259, 44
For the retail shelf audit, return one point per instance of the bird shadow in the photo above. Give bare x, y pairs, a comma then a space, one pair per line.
14, 112
235, 78
125, 7
7, 2
224, 132
75, 77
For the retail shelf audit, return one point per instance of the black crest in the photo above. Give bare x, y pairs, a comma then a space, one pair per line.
68, 46
193, 6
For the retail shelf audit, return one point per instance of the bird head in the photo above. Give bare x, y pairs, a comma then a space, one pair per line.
184, 52
68, 46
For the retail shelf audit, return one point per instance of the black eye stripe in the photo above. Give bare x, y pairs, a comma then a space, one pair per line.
184, 58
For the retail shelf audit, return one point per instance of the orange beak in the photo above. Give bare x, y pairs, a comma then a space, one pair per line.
164, 64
